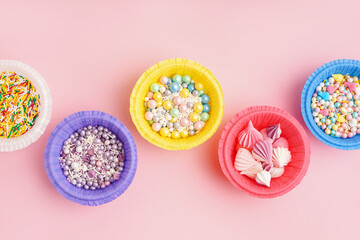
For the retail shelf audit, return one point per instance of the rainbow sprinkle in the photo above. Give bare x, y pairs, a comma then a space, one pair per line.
19, 105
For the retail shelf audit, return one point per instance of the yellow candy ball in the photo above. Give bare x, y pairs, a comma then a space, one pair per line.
357, 102
319, 123
164, 132
321, 107
167, 105
327, 131
333, 99
184, 133
328, 122
313, 105
175, 134
320, 116
157, 96
199, 86
173, 120
337, 92
198, 107
194, 117
184, 93
159, 103
331, 114
335, 127
313, 99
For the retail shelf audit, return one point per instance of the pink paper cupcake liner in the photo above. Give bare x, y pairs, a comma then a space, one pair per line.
261, 117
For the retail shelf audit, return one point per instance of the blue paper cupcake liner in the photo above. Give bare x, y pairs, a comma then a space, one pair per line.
342, 66
54, 145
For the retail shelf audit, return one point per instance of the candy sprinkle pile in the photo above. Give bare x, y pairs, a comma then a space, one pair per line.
177, 107
19, 105
92, 158
335, 106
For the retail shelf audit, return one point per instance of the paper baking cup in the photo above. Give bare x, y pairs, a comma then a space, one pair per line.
169, 68
342, 66
54, 145
16, 143
261, 117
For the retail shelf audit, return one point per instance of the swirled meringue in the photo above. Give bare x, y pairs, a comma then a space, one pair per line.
249, 136
281, 156
263, 151
252, 171
274, 131
263, 178
244, 160
276, 172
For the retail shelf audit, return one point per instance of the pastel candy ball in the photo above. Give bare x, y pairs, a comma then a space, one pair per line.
150, 95
157, 96
174, 112
204, 116
164, 132
175, 134
199, 86
177, 100
186, 79
205, 98
152, 104
156, 127
177, 78
184, 122
183, 108
164, 80
174, 87
206, 108
194, 117
198, 107
184, 92
167, 105
198, 125
149, 116
191, 87
184, 133
154, 87
201, 92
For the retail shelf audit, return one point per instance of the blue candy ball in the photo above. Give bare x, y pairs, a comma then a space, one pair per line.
206, 108
327, 84
318, 98
169, 81
191, 87
332, 132
174, 87
205, 98
337, 104
355, 114
329, 127
323, 120
333, 119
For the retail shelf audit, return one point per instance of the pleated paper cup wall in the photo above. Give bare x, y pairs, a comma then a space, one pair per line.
54, 146
342, 66
16, 143
168, 68
261, 117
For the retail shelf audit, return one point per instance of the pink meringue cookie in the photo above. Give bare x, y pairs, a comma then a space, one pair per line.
281, 157
280, 142
263, 178
266, 166
244, 160
253, 171
274, 131
264, 134
249, 136
276, 172
263, 151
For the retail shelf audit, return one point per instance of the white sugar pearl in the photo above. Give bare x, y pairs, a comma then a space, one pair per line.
322, 84
322, 101
327, 103
317, 120
66, 151
350, 79
107, 142
353, 123
349, 95
334, 95
331, 80
168, 117
351, 103
74, 165
146, 99
331, 104
112, 171
79, 149
318, 88
337, 134
324, 89
162, 89
341, 88
353, 129
315, 114
349, 109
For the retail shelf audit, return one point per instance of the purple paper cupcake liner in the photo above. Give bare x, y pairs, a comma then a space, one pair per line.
54, 145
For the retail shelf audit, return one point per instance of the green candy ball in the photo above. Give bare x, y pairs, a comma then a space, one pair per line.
151, 122
174, 112
201, 92
204, 116
177, 78
154, 87
186, 79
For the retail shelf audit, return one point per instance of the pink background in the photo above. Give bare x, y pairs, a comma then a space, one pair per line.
92, 52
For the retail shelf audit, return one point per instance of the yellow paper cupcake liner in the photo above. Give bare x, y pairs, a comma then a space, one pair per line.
168, 68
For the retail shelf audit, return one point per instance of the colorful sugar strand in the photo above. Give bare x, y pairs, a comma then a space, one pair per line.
19, 105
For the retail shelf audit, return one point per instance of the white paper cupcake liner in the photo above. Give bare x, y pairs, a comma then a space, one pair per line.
16, 143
